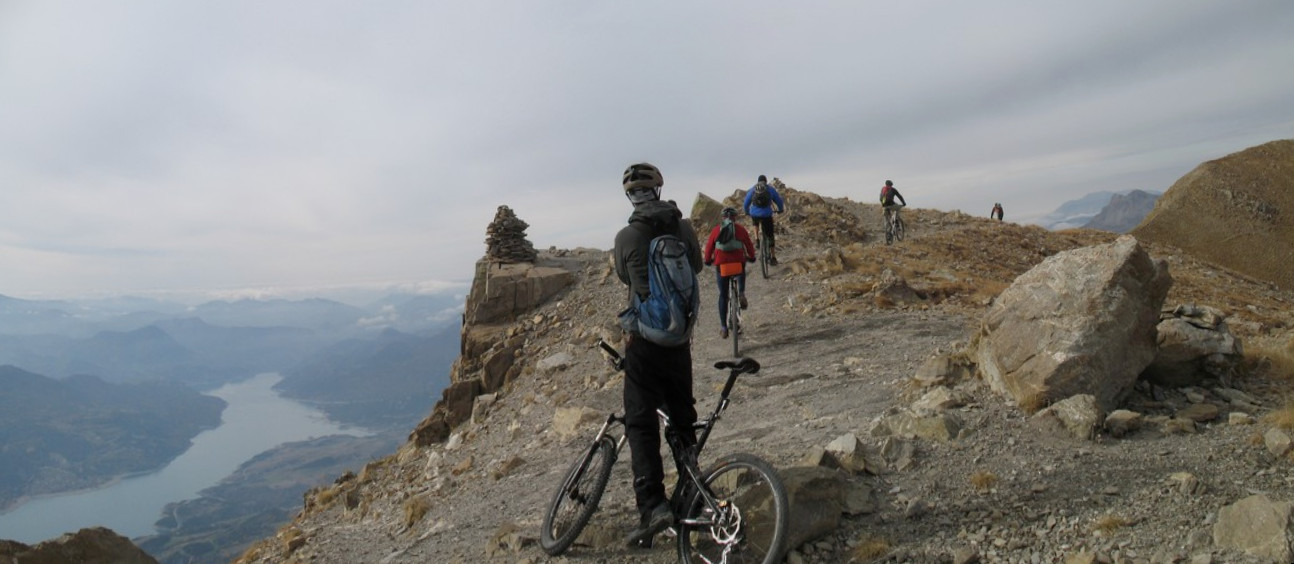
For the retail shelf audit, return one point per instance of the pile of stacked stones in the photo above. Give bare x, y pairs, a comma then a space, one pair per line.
506, 239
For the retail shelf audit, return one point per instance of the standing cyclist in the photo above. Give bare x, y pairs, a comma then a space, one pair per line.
656, 376
759, 203
888, 193
729, 243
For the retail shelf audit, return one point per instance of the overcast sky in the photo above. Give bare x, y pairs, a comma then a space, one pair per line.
283, 146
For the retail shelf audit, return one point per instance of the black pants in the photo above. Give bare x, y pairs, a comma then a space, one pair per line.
765, 225
655, 377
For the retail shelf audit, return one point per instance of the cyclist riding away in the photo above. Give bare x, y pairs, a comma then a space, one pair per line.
996, 212
728, 244
656, 376
760, 200
888, 194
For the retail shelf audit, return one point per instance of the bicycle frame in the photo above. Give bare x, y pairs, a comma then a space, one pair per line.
704, 427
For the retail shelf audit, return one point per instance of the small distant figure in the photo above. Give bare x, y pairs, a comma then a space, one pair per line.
997, 212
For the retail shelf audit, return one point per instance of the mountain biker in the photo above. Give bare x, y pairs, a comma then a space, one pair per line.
888, 193
743, 252
996, 212
655, 376
759, 203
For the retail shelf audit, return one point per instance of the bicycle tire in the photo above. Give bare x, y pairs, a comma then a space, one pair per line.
734, 314
763, 255
900, 228
762, 509
577, 497
889, 233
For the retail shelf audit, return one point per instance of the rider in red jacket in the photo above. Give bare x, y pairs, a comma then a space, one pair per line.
737, 249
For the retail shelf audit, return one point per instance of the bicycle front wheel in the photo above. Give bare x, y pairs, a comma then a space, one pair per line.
900, 228
577, 497
753, 517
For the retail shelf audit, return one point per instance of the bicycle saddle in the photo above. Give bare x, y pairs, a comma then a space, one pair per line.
743, 365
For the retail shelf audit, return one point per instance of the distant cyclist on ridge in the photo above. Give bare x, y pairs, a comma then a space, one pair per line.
759, 203
888, 193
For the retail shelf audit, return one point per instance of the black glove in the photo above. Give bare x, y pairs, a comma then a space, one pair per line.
709, 263
751, 259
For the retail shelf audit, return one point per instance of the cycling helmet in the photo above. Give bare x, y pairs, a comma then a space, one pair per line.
729, 212
642, 182
763, 178
889, 183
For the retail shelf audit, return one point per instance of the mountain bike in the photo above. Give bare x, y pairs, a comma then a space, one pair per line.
733, 271
895, 229
736, 510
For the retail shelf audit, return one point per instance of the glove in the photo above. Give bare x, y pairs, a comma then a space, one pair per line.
709, 262
750, 259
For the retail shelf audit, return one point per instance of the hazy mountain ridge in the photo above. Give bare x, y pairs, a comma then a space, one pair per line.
1124, 212
80, 432
391, 379
370, 375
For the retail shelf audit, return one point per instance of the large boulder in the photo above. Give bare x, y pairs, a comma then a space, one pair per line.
1194, 344
1080, 322
1259, 526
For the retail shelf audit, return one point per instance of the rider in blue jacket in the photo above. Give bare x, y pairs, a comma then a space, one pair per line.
760, 200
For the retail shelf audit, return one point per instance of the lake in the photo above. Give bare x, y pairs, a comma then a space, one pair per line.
255, 420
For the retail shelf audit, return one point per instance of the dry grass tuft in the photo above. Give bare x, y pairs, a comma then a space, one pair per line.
1274, 361
1110, 523
326, 497
415, 508
1256, 439
1035, 403
1282, 417
869, 549
983, 480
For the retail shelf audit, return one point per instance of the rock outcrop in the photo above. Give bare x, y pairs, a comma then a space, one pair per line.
95, 545
1081, 322
490, 341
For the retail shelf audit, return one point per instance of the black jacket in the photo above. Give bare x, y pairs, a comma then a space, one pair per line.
649, 220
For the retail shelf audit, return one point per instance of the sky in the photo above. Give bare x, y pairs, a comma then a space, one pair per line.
275, 148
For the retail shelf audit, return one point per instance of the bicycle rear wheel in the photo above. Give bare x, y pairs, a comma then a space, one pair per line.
577, 497
753, 520
734, 313
763, 255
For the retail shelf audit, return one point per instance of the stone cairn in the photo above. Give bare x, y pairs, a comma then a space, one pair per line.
505, 240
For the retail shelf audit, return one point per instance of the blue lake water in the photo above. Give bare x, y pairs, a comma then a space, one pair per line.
255, 420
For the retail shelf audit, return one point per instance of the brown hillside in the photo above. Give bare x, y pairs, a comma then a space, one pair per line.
1236, 211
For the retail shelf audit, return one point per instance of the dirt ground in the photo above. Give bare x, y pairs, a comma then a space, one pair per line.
834, 360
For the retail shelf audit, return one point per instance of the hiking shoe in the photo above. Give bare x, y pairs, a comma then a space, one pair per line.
723, 332
742, 299
654, 522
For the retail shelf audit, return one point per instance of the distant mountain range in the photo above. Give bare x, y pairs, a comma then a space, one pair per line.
1108, 211
80, 432
94, 389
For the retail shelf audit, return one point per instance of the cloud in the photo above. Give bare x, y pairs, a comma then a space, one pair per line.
156, 145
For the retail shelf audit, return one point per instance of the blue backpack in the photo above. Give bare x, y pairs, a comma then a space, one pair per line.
668, 313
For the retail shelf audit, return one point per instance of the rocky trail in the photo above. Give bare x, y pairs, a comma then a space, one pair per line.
996, 488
